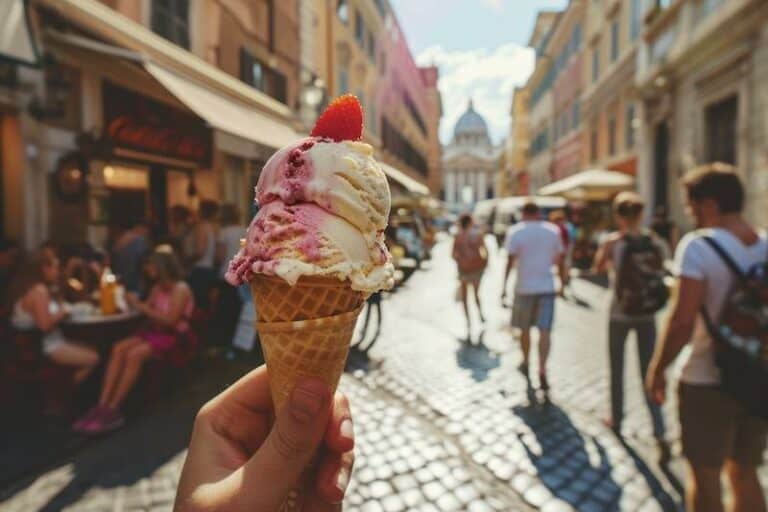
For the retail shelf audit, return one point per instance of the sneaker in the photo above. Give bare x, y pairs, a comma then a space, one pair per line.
109, 419
81, 424
543, 382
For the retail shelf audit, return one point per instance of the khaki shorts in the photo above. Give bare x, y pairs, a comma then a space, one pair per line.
714, 428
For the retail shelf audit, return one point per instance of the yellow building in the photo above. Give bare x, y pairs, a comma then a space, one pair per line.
609, 100
514, 177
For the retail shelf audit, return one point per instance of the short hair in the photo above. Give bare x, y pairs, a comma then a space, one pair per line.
716, 181
465, 220
530, 208
208, 209
628, 205
229, 214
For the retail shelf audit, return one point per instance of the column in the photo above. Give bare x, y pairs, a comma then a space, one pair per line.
480, 192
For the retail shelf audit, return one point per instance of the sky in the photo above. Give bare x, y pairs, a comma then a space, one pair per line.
480, 48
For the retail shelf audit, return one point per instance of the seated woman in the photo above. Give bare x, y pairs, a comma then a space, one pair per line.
34, 306
168, 309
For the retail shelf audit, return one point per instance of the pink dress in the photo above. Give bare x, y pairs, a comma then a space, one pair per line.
161, 337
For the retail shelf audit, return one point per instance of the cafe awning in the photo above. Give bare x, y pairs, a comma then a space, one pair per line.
222, 112
16, 43
590, 185
410, 184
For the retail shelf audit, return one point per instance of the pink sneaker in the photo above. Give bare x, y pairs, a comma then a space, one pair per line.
81, 424
106, 420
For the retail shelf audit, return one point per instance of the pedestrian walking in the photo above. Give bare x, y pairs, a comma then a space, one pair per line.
471, 256
634, 259
128, 253
535, 246
718, 431
229, 303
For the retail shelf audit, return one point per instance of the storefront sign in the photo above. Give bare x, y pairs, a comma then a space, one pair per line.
136, 122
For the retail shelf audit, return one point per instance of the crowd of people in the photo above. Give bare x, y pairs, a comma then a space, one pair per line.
167, 277
718, 309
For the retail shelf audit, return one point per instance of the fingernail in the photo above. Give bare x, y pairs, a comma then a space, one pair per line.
342, 480
308, 398
347, 430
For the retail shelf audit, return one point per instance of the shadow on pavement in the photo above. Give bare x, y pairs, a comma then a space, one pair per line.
124, 457
574, 466
477, 358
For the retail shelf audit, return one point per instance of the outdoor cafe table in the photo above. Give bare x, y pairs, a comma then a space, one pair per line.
101, 330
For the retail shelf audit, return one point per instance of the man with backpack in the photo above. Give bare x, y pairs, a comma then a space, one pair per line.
720, 309
634, 258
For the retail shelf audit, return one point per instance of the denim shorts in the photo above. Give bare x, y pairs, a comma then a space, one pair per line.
533, 311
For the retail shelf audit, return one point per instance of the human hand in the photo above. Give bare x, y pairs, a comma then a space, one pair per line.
242, 457
656, 385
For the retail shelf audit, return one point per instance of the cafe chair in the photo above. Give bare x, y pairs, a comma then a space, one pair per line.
24, 365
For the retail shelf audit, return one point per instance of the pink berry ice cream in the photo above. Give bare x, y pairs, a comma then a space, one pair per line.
323, 207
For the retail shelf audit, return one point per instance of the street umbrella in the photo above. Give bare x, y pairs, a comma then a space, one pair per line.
590, 185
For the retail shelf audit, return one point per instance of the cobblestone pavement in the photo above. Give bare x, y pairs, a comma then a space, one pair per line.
441, 423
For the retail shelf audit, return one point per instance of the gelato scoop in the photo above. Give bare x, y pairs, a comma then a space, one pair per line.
323, 206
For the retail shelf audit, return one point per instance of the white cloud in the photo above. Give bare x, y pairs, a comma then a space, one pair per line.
488, 77
494, 4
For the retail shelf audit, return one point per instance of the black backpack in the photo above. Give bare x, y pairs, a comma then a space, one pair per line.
741, 335
640, 286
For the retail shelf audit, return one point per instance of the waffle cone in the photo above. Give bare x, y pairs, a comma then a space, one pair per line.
309, 298
305, 348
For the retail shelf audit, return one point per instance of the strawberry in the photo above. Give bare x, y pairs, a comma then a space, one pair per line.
342, 120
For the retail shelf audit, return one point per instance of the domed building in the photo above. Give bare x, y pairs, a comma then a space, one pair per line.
470, 163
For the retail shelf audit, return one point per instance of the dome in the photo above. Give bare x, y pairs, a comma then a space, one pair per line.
470, 125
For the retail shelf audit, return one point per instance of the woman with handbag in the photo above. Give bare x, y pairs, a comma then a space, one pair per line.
471, 255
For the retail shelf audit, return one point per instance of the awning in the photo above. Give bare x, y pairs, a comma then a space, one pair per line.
16, 42
222, 113
410, 184
590, 185
219, 110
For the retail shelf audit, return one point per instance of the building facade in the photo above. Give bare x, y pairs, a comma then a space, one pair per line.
609, 100
565, 52
703, 67
470, 163
136, 107
541, 105
514, 179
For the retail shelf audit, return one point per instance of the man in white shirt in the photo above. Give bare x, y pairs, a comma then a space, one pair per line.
716, 431
536, 246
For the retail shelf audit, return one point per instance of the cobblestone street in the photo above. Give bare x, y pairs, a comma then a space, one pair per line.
441, 424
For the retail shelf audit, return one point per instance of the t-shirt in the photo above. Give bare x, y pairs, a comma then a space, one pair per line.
695, 259
536, 244
229, 237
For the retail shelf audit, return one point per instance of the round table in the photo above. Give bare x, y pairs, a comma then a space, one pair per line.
101, 330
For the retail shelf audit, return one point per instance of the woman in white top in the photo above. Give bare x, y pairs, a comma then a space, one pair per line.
203, 274
35, 307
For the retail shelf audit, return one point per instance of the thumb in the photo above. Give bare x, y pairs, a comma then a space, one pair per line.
288, 450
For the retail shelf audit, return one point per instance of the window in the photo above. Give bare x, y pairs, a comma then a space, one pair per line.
371, 47
576, 39
359, 29
629, 128
170, 19
635, 18
596, 62
721, 119
612, 136
593, 145
342, 11
343, 81
576, 116
399, 146
260, 76
614, 40
414, 113
381, 7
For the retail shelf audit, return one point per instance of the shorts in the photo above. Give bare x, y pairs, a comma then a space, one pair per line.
714, 427
533, 310
473, 276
